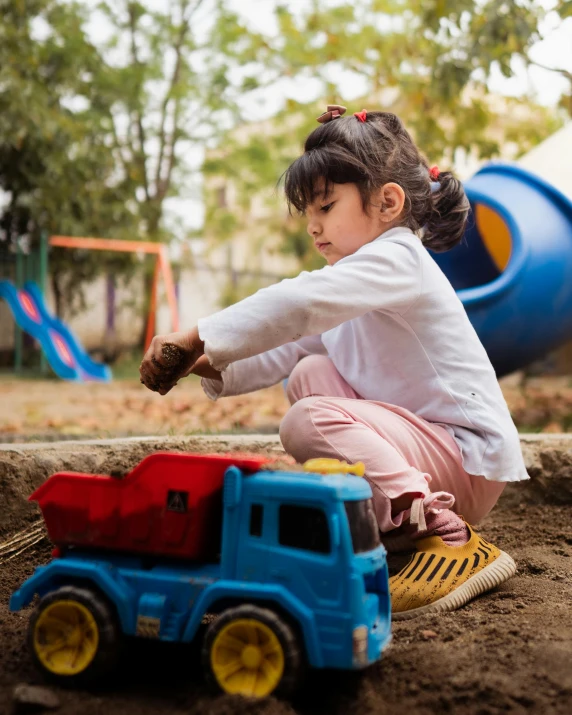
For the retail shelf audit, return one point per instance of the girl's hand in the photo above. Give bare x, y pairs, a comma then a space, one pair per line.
169, 358
203, 368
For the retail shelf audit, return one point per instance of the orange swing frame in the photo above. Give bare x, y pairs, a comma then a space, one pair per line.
162, 267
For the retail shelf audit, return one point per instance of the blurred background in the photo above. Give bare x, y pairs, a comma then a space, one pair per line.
171, 122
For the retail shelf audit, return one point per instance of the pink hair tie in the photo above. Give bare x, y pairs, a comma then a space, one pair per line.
334, 111
361, 115
434, 172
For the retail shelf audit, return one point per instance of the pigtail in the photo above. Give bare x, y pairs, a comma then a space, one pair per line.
446, 223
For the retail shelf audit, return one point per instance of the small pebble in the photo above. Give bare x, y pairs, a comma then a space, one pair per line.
31, 698
428, 634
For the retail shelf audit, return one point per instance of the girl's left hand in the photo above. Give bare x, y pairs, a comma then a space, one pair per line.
169, 358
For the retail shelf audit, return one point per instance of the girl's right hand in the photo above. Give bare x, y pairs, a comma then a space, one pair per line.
203, 368
169, 358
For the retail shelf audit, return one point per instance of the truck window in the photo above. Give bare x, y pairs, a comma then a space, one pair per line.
363, 525
256, 520
304, 527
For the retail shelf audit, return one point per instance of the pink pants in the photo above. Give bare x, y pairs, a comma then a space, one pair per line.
403, 453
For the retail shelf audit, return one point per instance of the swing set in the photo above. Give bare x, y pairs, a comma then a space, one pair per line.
162, 268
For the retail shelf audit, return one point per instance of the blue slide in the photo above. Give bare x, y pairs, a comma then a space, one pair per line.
66, 356
513, 270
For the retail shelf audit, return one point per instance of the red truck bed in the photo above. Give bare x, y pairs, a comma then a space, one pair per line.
170, 504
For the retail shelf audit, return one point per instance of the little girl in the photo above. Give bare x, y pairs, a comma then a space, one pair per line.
384, 366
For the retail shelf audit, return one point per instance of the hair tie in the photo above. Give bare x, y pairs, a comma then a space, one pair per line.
434, 172
334, 111
361, 115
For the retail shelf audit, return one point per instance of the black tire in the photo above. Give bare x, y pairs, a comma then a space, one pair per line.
109, 636
293, 656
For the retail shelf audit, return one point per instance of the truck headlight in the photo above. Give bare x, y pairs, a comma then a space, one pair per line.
359, 638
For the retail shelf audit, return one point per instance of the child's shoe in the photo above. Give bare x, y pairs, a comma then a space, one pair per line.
442, 578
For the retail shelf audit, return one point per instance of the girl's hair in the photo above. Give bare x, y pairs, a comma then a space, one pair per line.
371, 154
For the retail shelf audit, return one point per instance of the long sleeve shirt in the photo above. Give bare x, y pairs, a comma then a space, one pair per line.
395, 330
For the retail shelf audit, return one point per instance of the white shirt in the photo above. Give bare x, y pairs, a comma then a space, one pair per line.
395, 330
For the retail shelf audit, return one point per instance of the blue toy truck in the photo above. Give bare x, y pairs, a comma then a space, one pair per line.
286, 568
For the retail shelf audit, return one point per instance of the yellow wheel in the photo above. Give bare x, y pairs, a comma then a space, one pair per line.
72, 635
66, 638
251, 651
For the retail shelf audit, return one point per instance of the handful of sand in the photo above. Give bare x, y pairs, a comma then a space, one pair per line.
172, 355
174, 359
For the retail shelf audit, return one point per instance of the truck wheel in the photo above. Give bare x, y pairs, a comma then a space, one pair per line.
73, 636
251, 651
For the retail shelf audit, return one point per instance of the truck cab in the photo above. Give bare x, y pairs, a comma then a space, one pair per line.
316, 538
270, 571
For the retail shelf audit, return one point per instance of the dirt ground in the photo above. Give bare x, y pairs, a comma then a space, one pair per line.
508, 651
51, 409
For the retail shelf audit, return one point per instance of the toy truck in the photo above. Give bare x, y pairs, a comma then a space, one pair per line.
285, 568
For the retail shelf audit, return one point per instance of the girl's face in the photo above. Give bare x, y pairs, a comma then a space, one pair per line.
338, 223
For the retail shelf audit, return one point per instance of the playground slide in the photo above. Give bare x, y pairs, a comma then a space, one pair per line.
66, 356
513, 271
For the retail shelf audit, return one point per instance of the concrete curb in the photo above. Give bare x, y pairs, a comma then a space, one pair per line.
237, 439
24, 466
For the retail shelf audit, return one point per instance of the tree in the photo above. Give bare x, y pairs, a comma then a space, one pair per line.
427, 60
101, 130
173, 90
55, 163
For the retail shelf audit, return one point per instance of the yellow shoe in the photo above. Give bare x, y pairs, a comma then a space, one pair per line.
442, 578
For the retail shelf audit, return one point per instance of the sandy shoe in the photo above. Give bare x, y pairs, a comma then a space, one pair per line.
442, 578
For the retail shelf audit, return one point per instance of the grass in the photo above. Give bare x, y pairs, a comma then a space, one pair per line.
127, 368
26, 375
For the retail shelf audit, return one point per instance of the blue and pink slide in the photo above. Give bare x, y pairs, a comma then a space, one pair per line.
66, 356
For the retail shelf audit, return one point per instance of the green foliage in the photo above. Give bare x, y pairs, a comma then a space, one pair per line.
564, 8
55, 161
93, 139
427, 60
